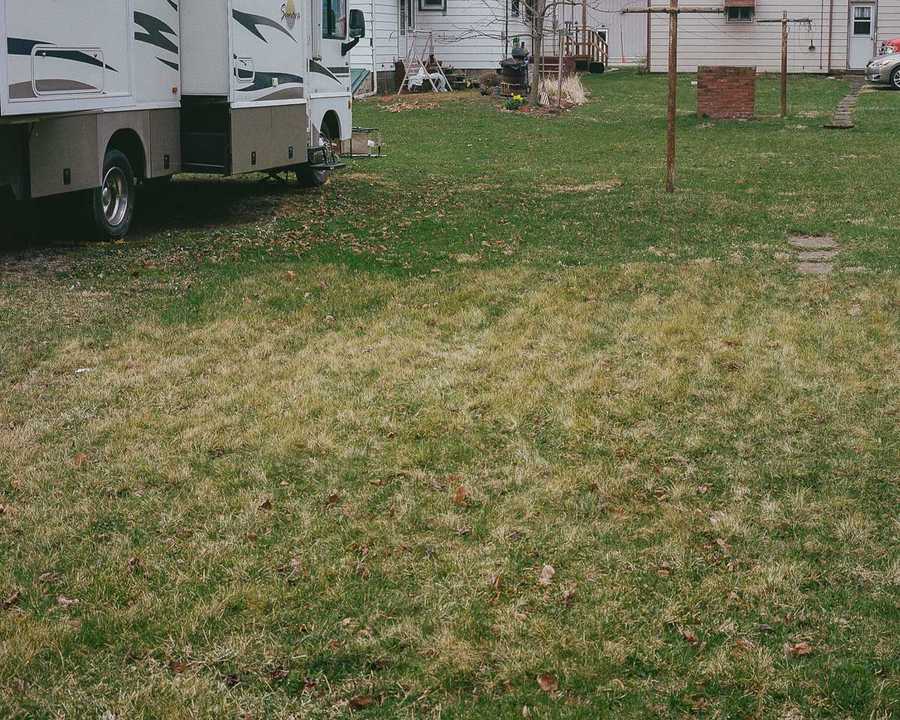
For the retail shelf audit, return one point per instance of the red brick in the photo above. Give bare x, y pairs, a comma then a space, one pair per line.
726, 92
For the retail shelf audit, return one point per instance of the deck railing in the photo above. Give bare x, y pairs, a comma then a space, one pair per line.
587, 44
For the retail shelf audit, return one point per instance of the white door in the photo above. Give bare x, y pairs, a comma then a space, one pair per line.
862, 35
407, 19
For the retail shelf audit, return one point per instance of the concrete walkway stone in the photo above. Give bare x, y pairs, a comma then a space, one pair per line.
842, 119
815, 253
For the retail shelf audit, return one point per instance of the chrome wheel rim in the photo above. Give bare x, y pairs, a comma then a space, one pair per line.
114, 194
896, 78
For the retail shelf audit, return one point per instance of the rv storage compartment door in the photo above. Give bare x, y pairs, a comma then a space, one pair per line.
267, 138
65, 56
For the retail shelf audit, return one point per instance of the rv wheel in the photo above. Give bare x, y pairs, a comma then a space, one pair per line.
113, 202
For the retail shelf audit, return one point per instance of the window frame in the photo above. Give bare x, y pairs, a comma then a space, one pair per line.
739, 10
340, 20
433, 5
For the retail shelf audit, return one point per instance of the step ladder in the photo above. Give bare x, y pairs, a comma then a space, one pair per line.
419, 58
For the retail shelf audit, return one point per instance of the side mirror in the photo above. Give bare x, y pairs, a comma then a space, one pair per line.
357, 24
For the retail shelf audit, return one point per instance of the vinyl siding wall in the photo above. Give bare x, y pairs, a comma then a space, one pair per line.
626, 34
382, 29
888, 19
711, 40
470, 34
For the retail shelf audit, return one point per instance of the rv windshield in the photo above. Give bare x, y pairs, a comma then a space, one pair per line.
334, 19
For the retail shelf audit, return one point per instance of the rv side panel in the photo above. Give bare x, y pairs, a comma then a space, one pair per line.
165, 143
268, 137
268, 52
66, 57
157, 60
206, 60
57, 163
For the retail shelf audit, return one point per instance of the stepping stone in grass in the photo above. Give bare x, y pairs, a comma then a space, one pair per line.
812, 242
814, 268
817, 255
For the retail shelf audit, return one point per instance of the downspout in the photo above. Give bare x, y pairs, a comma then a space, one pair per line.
821, 33
649, 15
830, 30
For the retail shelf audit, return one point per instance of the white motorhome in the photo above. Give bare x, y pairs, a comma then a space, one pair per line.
101, 95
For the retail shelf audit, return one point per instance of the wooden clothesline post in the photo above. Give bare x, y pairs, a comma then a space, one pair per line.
785, 21
673, 11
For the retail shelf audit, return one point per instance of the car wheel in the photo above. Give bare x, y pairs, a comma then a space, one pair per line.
895, 78
113, 202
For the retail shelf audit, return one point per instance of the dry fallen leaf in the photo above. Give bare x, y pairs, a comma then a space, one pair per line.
547, 683
10, 600
547, 573
461, 496
744, 644
80, 459
690, 636
333, 498
362, 701
64, 601
568, 597
178, 666
266, 504
797, 649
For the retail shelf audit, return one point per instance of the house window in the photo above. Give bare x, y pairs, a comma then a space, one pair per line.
862, 20
440, 5
739, 13
514, 8
334, 19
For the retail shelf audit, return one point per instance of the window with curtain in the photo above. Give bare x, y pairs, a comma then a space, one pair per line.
334, 19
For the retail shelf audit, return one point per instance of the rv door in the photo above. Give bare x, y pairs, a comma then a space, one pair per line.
315, 29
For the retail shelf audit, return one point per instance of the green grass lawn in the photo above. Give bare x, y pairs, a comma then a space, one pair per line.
490, 427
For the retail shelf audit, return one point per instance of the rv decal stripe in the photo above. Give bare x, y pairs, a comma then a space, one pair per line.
172, 65
317, 67
18, 46
174, 6
264, 80
342, 70
252, 23
155, 32
25, 90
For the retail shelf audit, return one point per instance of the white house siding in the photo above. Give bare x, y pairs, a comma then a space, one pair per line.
380, 47
888, 19
626, 34
469, 35
711, 40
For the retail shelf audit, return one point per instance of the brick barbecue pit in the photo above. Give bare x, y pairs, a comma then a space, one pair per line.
726, 92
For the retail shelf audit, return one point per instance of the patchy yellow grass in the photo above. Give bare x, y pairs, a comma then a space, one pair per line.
616, 436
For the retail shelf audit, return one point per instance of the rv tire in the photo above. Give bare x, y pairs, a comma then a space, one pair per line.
113, 202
